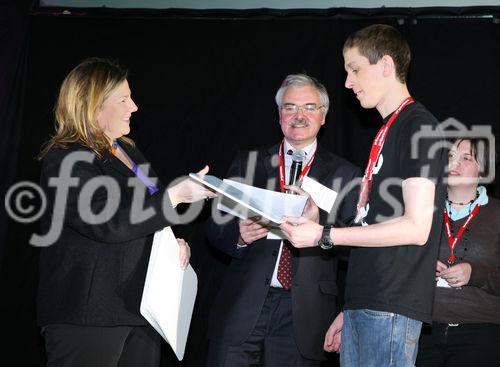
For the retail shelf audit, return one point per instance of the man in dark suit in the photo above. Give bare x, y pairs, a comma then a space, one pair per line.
276, 303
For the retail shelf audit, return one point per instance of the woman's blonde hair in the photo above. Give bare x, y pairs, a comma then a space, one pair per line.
81, 95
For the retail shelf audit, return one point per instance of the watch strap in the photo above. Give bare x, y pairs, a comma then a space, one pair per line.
325, 241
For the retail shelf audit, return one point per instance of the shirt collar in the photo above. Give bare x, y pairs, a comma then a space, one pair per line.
309, 150
466, 210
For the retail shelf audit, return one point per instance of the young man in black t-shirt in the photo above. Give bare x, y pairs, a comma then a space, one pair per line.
390, 280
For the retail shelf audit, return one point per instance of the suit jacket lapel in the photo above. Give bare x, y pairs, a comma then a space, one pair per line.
117, 165
271, 157
136, 157
320, 166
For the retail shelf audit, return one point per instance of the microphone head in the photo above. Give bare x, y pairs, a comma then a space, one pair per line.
298, 156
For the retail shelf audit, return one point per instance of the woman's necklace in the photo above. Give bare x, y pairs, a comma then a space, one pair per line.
114, 147
457, 203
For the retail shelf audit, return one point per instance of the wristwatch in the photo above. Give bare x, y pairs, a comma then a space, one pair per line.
325, 242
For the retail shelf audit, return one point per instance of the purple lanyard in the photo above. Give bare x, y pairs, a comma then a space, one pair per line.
152, 188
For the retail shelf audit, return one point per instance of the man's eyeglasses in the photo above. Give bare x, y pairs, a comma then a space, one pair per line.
308, 108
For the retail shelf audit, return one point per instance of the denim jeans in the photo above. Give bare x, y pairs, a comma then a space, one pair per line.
378, 339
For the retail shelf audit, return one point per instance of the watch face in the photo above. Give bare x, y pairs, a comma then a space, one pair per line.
326, 245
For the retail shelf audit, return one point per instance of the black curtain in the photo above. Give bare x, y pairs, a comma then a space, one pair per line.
14, 23
205, 83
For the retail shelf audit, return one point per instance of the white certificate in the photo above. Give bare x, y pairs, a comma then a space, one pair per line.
169, 292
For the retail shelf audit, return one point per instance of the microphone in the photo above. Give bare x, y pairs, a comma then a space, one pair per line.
297, 158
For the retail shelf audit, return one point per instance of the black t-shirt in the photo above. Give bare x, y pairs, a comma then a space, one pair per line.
400, 279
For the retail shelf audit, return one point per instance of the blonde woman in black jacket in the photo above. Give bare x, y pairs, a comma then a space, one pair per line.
104, 205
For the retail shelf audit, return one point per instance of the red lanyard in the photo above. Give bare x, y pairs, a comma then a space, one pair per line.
282, 167
452, 241
377, 145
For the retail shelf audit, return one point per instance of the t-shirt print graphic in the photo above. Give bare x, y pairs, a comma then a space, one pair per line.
363, 211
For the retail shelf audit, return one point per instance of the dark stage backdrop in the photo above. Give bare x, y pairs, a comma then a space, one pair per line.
205, 88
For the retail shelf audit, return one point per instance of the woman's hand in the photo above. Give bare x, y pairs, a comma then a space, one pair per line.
440, 266
457, 275
190, 191
184, 253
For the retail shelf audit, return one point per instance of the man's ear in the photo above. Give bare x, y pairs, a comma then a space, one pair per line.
388, 65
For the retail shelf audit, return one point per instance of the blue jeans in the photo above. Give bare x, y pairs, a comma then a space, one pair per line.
378, 339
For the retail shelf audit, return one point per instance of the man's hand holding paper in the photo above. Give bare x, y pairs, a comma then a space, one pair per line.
311, 210
251, 230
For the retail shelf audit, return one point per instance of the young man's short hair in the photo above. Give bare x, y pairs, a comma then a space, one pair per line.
378, 40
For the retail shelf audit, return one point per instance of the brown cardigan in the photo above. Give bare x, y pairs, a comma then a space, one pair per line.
479, 300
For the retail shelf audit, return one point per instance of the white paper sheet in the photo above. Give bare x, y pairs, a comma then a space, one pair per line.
169, 292
321, 195
252, 201
441, 283
278, 203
